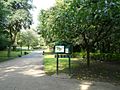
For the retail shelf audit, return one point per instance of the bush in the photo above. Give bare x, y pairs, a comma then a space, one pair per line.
76, 54
3, 42
105, 56
79, 55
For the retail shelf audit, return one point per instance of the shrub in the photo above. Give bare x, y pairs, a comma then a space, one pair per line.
105, 56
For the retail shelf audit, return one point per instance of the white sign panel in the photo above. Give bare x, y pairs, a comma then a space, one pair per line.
66, 50
59, 49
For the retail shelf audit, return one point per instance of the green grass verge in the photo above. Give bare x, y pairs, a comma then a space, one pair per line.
98, 71
14, 54
50, 65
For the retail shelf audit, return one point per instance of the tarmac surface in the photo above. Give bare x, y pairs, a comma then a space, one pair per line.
27, 73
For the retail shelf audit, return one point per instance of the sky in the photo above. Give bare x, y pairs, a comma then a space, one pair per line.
40, 4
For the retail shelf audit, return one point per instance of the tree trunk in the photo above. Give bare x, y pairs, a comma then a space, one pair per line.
88, 56
103, 49
21, 48
9, 50
12, 38
28, 47
88, 45
14, 48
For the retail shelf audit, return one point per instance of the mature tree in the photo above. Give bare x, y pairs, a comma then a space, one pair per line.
2, 14
83, 22
97, 21
28, 38
43, 26
19, 17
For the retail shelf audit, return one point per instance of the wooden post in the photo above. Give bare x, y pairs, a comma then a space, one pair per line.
69, 65
57, 66
88, 57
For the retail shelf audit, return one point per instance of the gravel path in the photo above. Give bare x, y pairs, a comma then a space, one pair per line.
26, 73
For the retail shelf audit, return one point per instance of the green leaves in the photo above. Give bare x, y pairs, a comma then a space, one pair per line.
94, 20
3, 13
20, 13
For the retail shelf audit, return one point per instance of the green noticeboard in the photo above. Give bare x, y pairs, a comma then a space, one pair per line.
63, 48
59, 49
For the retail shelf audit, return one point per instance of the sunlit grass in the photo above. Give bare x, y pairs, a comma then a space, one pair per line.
50, 64
49, 56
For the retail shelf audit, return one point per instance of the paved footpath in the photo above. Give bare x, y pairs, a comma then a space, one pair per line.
26, 73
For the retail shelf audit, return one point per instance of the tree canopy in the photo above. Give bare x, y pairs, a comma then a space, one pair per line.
29, 38
14, 16
81, 22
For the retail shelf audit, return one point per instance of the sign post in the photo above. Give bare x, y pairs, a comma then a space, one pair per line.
69, 65
63, 50
57, 65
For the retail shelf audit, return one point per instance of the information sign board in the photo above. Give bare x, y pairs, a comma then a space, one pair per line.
59, 49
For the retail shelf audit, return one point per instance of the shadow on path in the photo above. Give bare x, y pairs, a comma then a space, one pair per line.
26, 73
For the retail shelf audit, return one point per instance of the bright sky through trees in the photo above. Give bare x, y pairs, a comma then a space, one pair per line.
40, 4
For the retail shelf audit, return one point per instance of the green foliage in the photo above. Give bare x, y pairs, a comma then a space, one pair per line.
3, 34
108, 57
18, 16
81, 22
4, 42
3, 14
84, 22
29, 38
14, 16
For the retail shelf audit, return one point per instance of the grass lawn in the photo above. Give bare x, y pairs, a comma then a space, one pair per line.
98, 71
50, 65
3, 55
